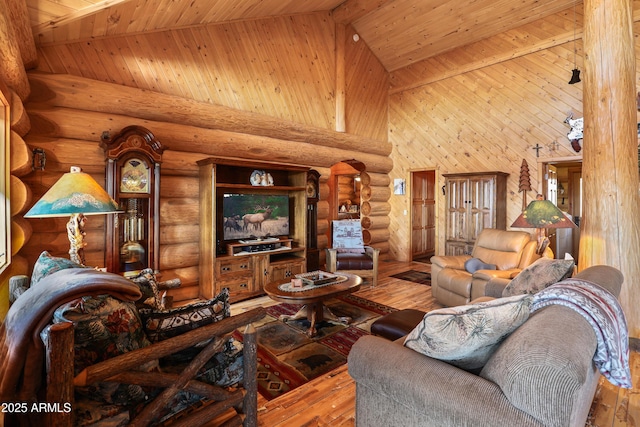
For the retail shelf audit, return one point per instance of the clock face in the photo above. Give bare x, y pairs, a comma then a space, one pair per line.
134, 177
312, 191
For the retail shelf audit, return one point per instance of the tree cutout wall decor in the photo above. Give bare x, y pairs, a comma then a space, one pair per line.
525, 182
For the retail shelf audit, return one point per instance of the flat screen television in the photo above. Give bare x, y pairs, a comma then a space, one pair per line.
253, 216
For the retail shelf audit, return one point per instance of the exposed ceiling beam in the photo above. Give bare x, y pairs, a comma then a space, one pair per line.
420, 74
77, 15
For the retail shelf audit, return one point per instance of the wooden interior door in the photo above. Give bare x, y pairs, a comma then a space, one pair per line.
423, 214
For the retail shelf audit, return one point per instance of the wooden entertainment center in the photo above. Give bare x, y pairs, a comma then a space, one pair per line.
245, 266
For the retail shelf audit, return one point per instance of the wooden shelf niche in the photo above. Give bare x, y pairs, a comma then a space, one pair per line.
230, 255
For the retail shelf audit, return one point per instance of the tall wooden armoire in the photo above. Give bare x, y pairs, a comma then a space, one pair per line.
474, 201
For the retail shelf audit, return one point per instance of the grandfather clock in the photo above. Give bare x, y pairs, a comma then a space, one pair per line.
313, 195
133, 181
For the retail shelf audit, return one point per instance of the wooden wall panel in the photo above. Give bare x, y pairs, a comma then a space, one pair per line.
283, 66
367, 83
529, 38
487, 119
56, 21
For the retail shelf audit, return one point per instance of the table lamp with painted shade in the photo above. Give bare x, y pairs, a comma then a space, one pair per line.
75, 194
542, 214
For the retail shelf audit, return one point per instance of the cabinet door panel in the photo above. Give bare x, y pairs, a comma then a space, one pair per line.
482, 205
279, 272
455, 249
474, 202
297, 268
457, 193
285, 271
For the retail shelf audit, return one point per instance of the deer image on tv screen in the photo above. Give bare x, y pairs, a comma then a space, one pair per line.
253, 216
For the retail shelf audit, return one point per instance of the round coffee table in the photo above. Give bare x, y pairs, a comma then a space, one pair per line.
313, 308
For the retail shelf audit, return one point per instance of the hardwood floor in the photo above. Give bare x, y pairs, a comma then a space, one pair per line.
330, 399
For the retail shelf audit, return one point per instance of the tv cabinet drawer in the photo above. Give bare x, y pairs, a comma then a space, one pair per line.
234, 266
238, 287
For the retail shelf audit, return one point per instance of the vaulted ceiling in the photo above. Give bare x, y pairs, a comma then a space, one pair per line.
398, 32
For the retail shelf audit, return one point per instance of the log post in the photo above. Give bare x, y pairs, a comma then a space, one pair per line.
610, 226
19, 14
11, 66
340, 78
58, 340
250, 405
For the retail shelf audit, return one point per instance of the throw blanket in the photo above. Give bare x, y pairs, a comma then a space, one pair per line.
22, 349
603, 312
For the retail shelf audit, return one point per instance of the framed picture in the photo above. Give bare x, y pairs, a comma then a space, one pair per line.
399, 186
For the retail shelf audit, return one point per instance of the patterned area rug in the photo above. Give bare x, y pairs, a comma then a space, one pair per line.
288, 358
414, 276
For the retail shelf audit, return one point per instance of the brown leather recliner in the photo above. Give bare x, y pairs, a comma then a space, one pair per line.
509, 251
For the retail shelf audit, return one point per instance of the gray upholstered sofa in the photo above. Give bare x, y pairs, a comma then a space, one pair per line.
541, 375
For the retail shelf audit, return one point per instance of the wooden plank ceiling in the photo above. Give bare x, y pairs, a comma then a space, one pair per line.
398, 32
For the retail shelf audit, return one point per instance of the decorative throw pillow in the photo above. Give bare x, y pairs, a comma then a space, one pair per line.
105, 327
47, 264
537, 276
146, 280
160, 325
474, 264
347, 236
466, 336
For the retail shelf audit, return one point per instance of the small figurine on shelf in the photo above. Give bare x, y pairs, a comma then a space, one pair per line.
256, 177
261, 178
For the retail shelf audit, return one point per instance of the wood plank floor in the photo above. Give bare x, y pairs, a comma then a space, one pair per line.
330, 399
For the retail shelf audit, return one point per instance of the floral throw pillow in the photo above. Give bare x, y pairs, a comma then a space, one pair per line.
105, 327
466, 336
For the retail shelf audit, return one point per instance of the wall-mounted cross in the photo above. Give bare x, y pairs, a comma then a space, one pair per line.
537, 148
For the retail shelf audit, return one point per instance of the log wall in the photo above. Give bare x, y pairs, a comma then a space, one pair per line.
60, 111
243, 101
487, 119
